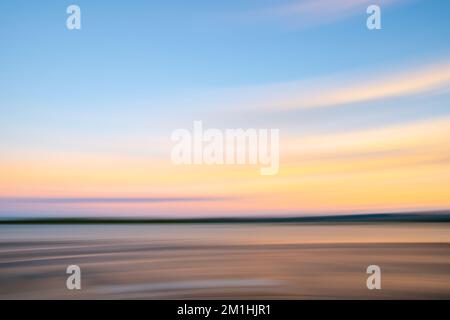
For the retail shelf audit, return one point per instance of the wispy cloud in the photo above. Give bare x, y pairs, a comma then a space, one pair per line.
100, 200
426, 139
314, 12
338, 90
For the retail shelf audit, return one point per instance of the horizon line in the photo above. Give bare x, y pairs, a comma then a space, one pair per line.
407, 216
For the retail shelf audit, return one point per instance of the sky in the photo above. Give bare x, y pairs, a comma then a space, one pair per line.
87, 115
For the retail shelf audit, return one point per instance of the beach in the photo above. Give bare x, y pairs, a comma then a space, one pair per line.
226, 261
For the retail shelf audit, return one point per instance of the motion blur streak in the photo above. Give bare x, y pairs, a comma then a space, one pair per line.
225, 261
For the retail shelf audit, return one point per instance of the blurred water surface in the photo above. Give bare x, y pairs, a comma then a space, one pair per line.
236, 261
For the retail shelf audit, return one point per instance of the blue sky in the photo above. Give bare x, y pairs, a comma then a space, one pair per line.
143, 51
139, 69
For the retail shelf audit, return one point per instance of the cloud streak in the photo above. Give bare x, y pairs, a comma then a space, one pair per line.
315, 12
344, 89
113, 200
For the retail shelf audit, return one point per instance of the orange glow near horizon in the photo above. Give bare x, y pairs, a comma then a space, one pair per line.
394, 168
